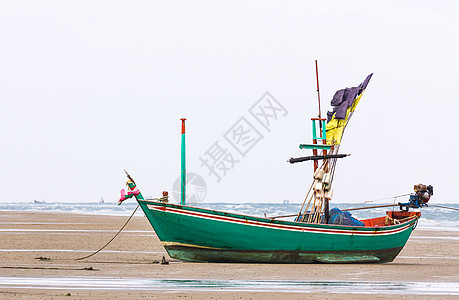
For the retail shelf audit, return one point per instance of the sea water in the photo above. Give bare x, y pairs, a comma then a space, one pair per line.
222, 285
432, 217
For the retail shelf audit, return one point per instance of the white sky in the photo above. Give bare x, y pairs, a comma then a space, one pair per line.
88, 88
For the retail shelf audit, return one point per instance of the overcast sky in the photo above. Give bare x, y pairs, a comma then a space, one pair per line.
88, 88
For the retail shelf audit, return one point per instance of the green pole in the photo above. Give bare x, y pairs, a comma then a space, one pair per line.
183, 173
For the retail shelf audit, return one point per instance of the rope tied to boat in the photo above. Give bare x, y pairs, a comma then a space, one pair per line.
392, 221
92, 254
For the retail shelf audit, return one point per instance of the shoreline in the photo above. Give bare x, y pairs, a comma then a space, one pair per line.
430, 256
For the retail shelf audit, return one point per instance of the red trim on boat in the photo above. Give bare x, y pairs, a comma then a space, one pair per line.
279, 226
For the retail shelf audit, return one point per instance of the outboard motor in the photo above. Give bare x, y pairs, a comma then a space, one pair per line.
419, 198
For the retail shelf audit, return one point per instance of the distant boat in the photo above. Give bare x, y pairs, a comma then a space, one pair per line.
37, 201
101, 200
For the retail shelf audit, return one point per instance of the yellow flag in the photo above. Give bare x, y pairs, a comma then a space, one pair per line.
336, 127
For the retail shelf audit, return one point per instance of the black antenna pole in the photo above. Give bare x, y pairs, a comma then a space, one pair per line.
318, 93
129, 176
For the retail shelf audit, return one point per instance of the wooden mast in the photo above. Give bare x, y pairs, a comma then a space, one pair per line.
314, 141
323, 202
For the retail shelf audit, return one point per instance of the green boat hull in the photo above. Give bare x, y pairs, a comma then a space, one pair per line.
202, 235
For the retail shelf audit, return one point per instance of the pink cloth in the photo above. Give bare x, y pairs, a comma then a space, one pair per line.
123, 196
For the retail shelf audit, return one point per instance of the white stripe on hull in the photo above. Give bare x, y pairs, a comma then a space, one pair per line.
280, 226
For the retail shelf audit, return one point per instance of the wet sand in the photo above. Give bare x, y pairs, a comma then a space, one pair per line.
38, 252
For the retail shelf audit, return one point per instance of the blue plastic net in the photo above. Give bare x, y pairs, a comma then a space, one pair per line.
339, 217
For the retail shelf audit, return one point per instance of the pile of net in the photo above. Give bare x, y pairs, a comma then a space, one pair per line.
339, 217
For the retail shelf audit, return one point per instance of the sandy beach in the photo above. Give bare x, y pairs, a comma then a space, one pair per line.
38, 252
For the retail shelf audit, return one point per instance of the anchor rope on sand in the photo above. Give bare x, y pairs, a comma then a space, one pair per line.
81, 258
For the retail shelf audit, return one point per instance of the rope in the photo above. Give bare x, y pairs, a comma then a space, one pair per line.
387, 198
443, 206
301, 209
388, 220
81, 258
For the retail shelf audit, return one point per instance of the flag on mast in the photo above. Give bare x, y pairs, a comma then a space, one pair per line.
344, 103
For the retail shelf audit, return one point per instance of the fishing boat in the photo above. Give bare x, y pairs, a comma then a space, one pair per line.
315, 235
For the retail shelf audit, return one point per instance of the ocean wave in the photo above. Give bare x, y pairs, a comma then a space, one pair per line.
433, 218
